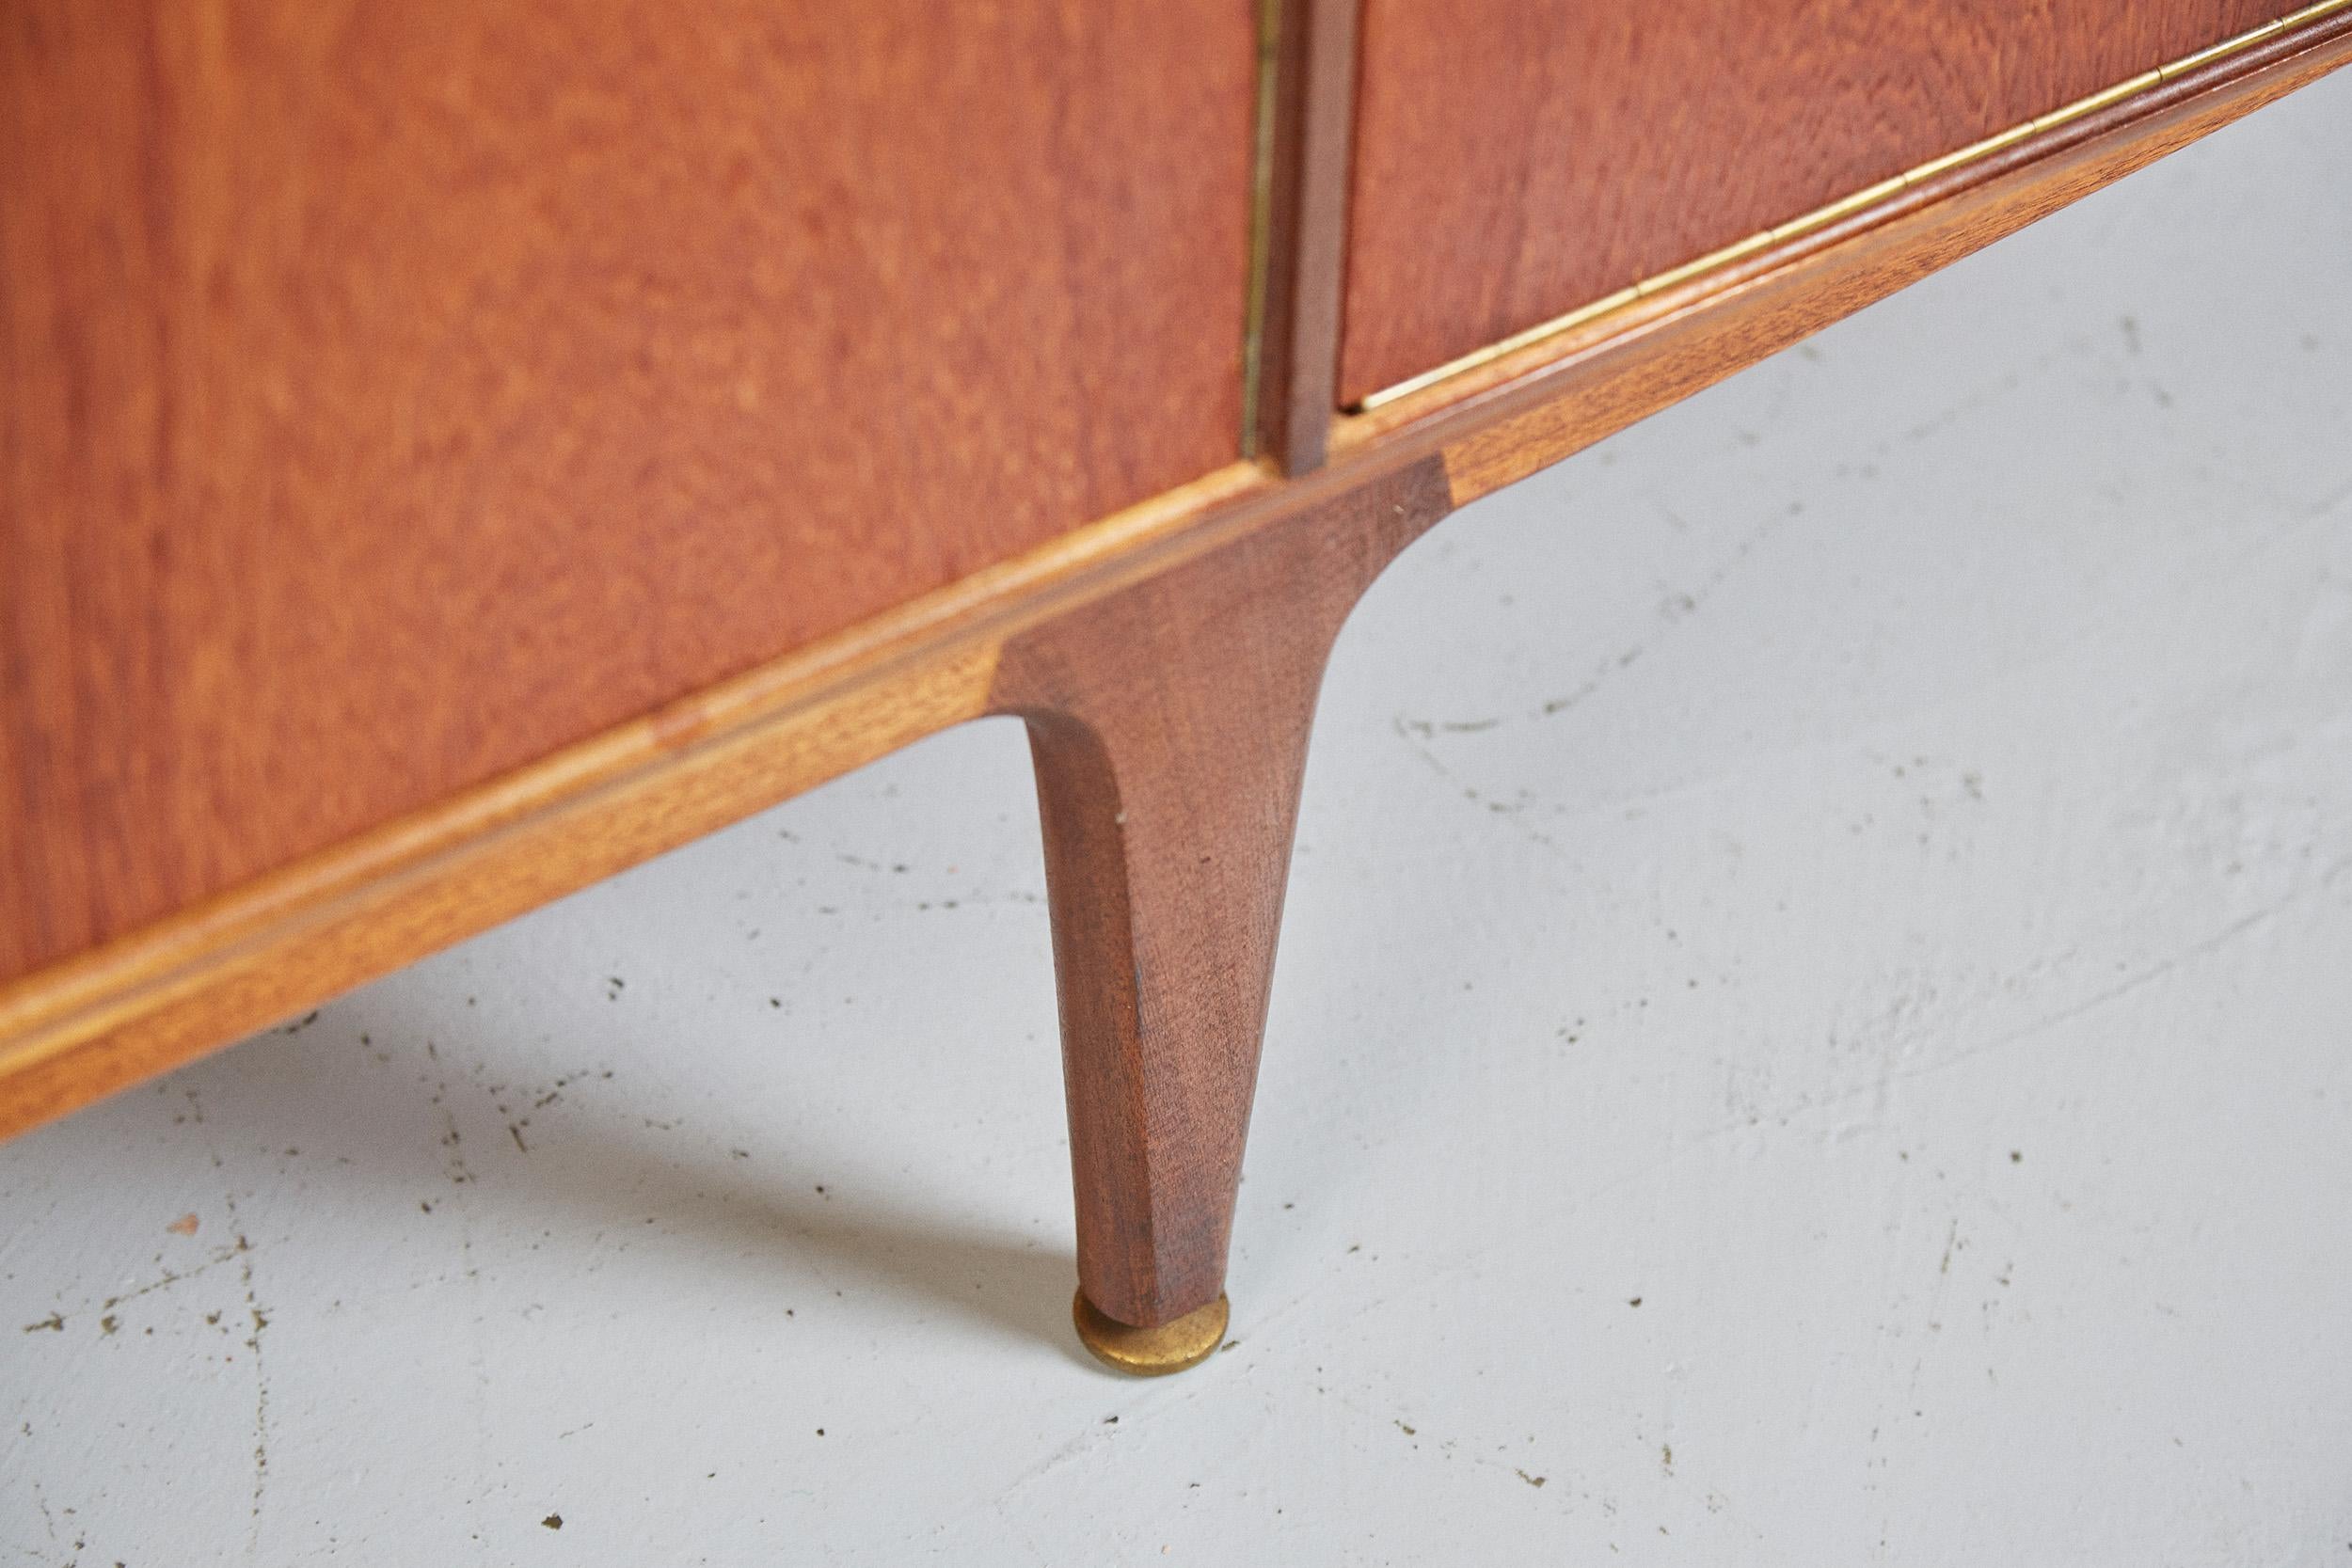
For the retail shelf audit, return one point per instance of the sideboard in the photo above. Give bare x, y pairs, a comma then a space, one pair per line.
450, 453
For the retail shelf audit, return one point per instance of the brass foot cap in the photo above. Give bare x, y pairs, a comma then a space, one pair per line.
1151, 1352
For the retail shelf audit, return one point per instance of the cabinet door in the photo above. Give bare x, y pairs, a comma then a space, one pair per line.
1519, 159
392, 394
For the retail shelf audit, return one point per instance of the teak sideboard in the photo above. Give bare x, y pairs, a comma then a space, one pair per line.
450, 452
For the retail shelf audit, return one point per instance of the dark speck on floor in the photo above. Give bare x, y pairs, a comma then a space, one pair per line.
553, 1521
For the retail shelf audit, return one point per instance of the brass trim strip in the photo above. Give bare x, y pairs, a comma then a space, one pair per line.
1821, 217
1261, 229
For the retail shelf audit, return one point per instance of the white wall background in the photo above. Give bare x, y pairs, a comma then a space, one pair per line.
1815, 1026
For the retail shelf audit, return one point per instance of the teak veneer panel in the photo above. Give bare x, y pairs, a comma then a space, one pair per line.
1519, 159
393, 395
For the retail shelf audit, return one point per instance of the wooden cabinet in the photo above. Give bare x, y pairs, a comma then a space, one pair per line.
450, 452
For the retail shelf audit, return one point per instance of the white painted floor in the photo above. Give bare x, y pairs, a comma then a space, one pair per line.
1815, 1026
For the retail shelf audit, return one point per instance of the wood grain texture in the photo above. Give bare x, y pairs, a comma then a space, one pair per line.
1517, 159
1511, 418
277, 945
393, 395
1169, 723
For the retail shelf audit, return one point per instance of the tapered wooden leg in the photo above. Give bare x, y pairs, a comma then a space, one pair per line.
1169, 721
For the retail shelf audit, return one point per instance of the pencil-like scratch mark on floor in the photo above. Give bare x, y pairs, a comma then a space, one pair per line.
1086, 1442
1511, 814
220, 1255
242, 1251
2131, 983
2205, 947
1935, 1314
1445, 1449
261, 1382
477, 1364
2326, 504
1677, 607
1437, 1270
